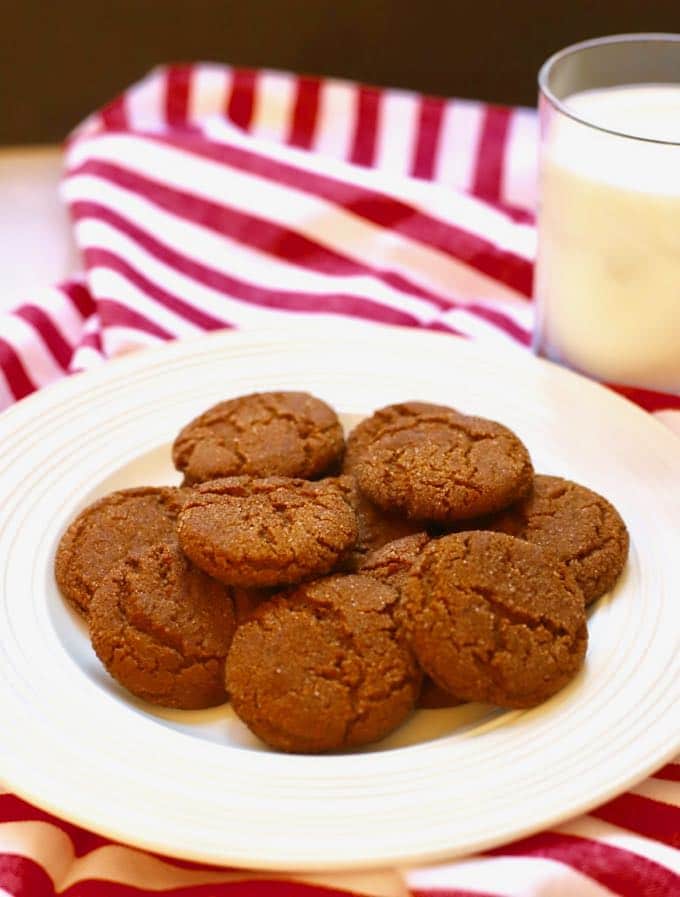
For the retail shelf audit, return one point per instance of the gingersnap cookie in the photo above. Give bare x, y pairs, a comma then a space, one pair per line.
375, 527
444, 467
371, 427
392, 563
323, 667
495, 619
581, 528
162, 628
107, 530
288, 434
247, 601
433, 697
266, 532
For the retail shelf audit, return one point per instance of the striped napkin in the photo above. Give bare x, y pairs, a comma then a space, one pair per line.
206, 198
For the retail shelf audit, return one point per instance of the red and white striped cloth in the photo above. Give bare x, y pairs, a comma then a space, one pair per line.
206, 197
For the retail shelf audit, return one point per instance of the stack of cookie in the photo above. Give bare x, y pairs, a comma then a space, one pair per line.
328, 589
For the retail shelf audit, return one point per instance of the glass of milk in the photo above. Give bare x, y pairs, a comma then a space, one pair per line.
607, 281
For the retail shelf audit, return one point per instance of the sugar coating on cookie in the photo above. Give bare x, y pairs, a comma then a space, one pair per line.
289, 434
444, 467
107, 530
266, 532
492, 618
392, 562
375, 526
579, 526
162, 628
372, 427
323, 667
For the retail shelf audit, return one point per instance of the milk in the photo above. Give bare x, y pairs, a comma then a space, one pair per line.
608, 272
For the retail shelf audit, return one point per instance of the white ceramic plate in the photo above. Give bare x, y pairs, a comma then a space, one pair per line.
197, 785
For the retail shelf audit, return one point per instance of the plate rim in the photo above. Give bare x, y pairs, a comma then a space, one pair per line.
120, 369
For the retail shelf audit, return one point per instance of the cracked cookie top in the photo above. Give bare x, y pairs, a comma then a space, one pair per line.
107, 530
493, 618
323, 667
162, 628
443, 466
289, 434
580, 527
369, 429
267, 532
392, 563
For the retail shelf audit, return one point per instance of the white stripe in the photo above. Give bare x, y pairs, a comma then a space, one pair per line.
658, 789
110, 284
335, 120
459, 143
221, 253
208, 93
6, 399
481, 330
396, 132
145, 102
520, 165
452, 207
508, 877
604, 833
61, 311
36, 358
273, 107
85, 358
521, 314
123, 340
213, 301
321, 221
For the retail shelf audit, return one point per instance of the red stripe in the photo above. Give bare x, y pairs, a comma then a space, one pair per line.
287, 300
250, 230
55, 342
449, 892
242, 97
92, 340
177, 87
470, 248
498, 319
427, 140
305, 112
671, 773
366, 126
488, 180
114, 115
650, 818
648, 399
80, 296
102, 258
22, 877
623, 872
115, 314
18, 380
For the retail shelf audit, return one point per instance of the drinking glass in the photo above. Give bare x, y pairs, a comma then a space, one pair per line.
607, 283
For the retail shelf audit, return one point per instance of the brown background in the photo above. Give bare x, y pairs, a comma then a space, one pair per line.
59, 59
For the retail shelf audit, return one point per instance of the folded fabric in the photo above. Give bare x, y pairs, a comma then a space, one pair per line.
205, 198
